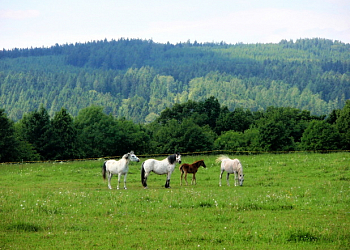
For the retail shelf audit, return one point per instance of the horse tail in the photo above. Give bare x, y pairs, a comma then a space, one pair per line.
221, 158
104, 170
181, 168
143, 174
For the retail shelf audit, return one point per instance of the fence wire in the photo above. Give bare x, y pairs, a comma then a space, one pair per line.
209, 152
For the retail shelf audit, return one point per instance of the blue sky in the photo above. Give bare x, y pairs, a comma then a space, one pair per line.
37, 23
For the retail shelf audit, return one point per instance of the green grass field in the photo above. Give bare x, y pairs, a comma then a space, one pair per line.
288, 201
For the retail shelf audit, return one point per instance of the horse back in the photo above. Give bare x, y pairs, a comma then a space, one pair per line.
110, 163
116, 166
184, 167
231, 166
192, 168
150, 165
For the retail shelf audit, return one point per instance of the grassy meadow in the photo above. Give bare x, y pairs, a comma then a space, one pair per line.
288, 201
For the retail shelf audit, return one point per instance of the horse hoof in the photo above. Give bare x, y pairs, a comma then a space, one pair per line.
125, 188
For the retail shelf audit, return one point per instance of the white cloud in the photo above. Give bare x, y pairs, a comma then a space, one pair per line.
18, 14
247, 21
256, 25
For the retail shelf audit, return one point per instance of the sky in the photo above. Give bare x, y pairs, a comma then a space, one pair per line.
43, 23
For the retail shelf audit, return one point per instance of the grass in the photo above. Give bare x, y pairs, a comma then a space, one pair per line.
288, 201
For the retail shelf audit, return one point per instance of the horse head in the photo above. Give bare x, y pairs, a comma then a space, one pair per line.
174, 158
240, 174
203, 164
178, 157
132, 156
240, 179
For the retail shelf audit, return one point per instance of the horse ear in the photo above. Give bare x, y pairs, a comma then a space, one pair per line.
131, 152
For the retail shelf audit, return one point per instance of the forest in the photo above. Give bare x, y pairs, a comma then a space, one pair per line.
188, 127
137, 79
103, 98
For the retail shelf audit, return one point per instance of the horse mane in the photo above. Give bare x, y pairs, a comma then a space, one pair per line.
172, 158
197, 162
240, 167
221, 158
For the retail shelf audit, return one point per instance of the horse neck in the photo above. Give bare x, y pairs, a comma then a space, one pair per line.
200, 163
166, 161
233, 166
240, 169
125, 160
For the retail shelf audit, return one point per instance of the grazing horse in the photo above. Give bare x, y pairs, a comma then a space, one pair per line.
191, 169
231, 167
165, 166
120, 167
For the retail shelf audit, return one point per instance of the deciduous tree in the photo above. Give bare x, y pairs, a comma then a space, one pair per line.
320, 135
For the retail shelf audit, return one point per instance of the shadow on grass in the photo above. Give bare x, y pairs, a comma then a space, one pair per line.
24, 227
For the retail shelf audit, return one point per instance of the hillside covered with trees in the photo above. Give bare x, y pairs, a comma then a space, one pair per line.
138, 79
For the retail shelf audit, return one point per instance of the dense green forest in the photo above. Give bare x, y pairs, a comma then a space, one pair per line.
104, 98
187, 127
138, 79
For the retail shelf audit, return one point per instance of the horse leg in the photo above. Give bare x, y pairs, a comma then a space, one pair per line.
109, 179
167, 183
236, 179
227, 178
222, 171
182, 173
194, 179
186, 178
125, 181
118, 180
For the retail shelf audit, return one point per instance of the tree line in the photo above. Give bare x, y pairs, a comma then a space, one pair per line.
193, 126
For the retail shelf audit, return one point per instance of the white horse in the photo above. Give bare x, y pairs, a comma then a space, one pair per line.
231, 167
165, 166
120, 167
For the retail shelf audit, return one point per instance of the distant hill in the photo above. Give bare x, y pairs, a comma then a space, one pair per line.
137, 79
